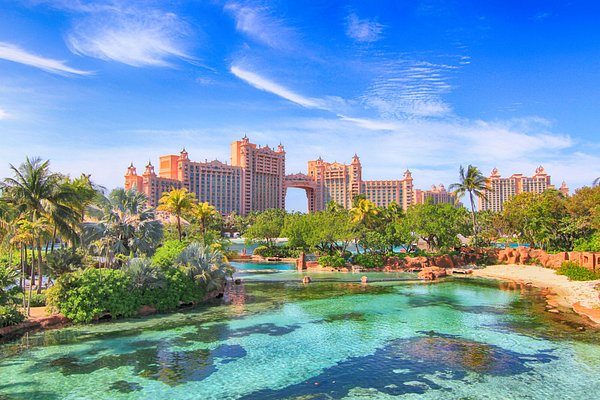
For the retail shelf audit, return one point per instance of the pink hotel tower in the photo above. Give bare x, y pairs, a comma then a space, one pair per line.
255, 180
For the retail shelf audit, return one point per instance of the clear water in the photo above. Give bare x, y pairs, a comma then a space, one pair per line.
460, 339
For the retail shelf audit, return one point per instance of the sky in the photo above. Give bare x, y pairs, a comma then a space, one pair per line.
424, 85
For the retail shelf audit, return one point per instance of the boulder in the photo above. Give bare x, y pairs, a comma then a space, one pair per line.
431, 273
147, 310
443, 261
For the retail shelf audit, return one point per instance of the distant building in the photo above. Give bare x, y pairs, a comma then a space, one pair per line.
342, 182
253, 182
503, 189
437, 194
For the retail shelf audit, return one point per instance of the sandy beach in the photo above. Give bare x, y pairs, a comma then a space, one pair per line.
582, 297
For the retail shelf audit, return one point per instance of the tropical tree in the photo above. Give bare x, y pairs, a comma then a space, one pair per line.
203, 212
365, 212
474, 183
143, 274
178, 202
127, 227
37, 193
437, 224
267, 226
205, 265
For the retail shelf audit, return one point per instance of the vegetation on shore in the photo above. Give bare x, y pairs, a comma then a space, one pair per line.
110, 254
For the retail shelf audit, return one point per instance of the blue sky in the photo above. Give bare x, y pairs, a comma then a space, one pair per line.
426, 85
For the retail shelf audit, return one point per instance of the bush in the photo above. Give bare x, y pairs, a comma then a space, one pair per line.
37, 299
334, 261
62, 261
178, 288
166, 255
368, 260
591, 243
85, 295
575, 272
277, 251
10, 316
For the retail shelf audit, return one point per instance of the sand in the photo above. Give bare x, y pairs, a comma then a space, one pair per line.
582, 297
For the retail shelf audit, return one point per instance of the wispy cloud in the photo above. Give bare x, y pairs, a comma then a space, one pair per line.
363, 30
3, 114
16, 54
133, 37
406, 88
259, 24
267, 85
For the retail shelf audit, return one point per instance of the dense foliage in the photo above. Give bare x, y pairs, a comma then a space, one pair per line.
575, 272
9, 315
333, 261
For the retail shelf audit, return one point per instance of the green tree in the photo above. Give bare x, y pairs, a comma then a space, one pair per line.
474, 183
178, 202
38, 193
267, 226
127, 227
437, 224
203, 212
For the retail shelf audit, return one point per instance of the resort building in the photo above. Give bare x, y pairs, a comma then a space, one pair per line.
342, 182
253, 182
437, 194
503, 189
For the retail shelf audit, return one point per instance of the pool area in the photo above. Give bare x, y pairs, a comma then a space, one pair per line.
272, 337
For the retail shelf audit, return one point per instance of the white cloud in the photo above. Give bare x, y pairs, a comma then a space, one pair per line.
16, 54
3, 114
363, 30
260, 25
133, 37
405, 88
267, 85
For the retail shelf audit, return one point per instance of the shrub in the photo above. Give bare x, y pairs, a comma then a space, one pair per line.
591, 243
37, 299
10, 316
334, 261
575, 272
62, 261
177, 288
166, 255
85, 295
277, 251
368, 260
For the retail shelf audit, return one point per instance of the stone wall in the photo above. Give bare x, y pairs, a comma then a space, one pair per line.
525, 255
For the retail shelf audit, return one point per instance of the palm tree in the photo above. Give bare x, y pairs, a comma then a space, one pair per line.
365, 212
473, 182
38, 193
177, 202
203, 212
126, 226
205, 265
143, 274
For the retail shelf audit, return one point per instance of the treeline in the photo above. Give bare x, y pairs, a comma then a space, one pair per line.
100, 250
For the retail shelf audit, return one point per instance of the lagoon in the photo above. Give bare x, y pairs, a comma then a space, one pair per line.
273, 337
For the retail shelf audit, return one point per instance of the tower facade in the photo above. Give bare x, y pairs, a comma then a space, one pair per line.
253, 181
342, 182
437, 194
501, 189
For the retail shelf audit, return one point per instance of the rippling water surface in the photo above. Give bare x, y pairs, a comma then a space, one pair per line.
274, 338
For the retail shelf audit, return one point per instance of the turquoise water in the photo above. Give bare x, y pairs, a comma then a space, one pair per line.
333, 339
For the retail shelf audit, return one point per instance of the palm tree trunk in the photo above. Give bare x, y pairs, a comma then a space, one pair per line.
39, 289
179, 226
473, 214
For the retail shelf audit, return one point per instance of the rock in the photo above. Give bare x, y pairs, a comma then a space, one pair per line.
364, 279
431, 273
443, 261
306, 279
147, 310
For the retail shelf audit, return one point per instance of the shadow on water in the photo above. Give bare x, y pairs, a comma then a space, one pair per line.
403, 365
